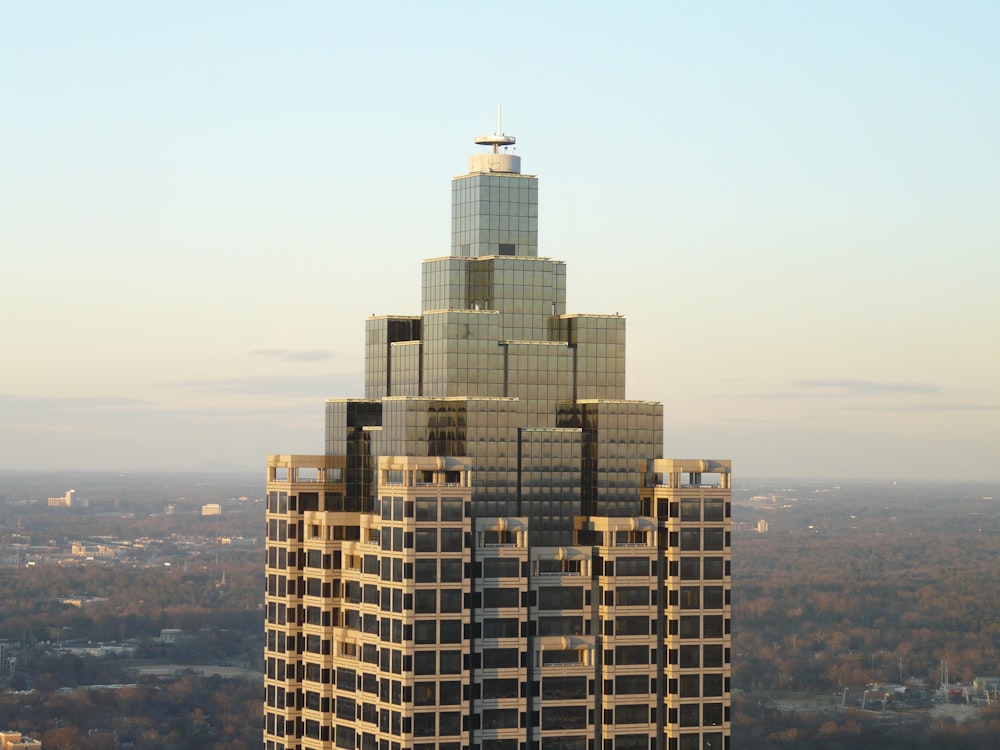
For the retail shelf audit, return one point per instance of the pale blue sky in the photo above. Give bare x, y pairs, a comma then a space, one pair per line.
794, 203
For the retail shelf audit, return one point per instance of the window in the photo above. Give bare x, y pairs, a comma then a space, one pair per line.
632, 684
564, 717
568, 625
711, 714
449, 723
451, 693
451, 662
714, 568
312, 672
344, 737
712, 656
561, 597
452, 509
714, 539
712, 685
426, 540
634, 714
628, 655
500, 688
714, 509
632, 625
427, 509
563, 688
501, 627
425, 571
424, 724
690, 626
451, 540
312, 729
500, 658
496, 597
690, 509
559, 656
425, 631
631, 596
425, 662
633, 566
451, 600
346, 708
501, 567
451, 571
689, 657
689, 685
424, 693
713, 597
425, 601
713, 626
347, 680
691, 597
500, 718
690, 715
690, 569
451, 631
690, 540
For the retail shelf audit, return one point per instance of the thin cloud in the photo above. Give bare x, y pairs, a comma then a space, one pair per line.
11, 404
936, 407
856, 387
294, 355
295, 385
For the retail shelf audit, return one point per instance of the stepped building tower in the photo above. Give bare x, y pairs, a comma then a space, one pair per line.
492, 553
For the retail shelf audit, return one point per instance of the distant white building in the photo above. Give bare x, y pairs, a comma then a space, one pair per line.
84, 549
66, 501
172, 635
211, 509
761, 526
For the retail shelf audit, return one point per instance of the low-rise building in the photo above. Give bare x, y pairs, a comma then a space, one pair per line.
10, 740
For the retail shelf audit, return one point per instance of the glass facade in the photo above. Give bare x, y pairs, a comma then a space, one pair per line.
494, 214
492, 551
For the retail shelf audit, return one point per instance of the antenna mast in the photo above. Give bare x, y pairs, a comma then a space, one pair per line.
498, 139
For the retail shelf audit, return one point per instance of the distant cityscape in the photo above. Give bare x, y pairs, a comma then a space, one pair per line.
861, 528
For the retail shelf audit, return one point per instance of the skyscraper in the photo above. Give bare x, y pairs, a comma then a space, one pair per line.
491, 553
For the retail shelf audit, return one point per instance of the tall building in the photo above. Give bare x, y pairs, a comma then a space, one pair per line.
492, 553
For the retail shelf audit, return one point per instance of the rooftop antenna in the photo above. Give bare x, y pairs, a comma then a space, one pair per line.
498, 139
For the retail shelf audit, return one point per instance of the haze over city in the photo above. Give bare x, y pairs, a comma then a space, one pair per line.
794, 206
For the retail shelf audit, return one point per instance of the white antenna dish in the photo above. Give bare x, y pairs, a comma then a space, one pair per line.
498, 139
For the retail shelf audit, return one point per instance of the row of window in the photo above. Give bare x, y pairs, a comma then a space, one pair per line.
698, 715
422, 508
694, 656
700, 626
630, 741
693, 540
426, 570
705, 685
438, 631
696, 509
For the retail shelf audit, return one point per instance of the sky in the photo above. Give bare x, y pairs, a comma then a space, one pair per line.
795, 205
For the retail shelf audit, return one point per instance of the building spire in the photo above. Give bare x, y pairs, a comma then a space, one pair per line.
498, 139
